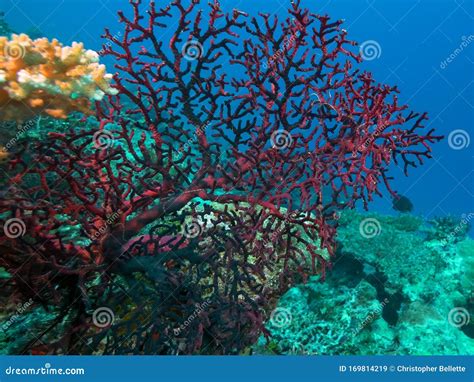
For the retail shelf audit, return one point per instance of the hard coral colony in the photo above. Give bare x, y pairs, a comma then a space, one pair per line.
227, 217
44, 77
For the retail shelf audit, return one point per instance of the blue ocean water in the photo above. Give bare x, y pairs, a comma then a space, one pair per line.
416, 40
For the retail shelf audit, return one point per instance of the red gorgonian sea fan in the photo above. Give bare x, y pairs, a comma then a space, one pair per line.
208, 187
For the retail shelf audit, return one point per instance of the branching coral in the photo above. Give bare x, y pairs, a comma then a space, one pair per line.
203, 131
44, 77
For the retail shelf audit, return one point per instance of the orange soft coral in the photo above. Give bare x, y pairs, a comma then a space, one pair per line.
45, 77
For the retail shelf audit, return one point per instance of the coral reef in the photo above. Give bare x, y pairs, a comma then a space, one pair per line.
173, 222
399, 291
44, 77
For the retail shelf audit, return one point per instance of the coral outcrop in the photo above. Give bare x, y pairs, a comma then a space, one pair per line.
44, 77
